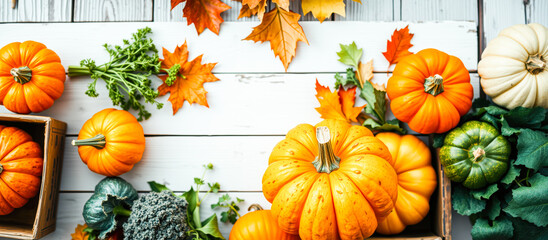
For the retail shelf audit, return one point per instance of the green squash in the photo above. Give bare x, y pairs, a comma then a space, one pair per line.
99, 211
475, 154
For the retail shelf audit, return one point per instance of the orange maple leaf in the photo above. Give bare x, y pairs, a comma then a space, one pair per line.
282, 29
399, 46
79, 233
190, 78
322, 9
247, 11
338, 104
203, 13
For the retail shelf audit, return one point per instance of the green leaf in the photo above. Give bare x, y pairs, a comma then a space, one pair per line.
531, 203
526, 117
464, 203
349, 80
492, 120
438, 140
532, 149
376, 101
211, 227
157, 187
495, 110
500, 229
192, 199
484, 193
524, 230
390, 126
506, 130
493, 208
350, 54
511, 175
198, 181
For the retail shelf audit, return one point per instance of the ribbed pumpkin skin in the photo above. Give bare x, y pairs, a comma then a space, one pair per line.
22, 162
457, 154
503, 67
46, 85
416, 181
344, 204
424, 112
259, 225
125, 142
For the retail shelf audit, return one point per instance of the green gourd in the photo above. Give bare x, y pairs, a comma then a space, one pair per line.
112, 196
475, 154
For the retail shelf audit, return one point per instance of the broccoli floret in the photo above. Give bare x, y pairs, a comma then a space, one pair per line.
160, 216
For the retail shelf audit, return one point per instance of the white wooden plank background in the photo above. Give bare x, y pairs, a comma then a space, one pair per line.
497, 14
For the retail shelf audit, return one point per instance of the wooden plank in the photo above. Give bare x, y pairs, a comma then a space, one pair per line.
112, 10
251, 104
439, 10
74, 42
369, 10
69, 213
36, 11
500, 14
537, 12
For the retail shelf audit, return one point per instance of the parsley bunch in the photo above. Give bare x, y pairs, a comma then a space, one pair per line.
126, 74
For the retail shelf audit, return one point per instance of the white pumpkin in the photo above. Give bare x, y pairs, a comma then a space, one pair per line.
513, 67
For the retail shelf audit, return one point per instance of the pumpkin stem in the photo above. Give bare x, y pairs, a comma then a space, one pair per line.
326, 161
535, 64
98, 141
255, 207
478, 153
120, 210
433, 84
21, 75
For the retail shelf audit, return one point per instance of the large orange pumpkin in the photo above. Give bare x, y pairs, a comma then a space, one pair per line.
430, 90
31, 77
111, 142
330, 181
21, 164
416, 181
259, 225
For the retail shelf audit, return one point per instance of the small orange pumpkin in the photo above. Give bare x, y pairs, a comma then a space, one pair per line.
416, 181
430, 90
31, 77
111, 142
330, 181
21, 164
259, 225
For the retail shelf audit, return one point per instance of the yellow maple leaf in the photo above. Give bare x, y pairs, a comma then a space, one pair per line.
338, 104
365, 72
248, 11
322, 9
79, 233
282, 29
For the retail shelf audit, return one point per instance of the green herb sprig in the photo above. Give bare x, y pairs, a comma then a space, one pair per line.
126, 74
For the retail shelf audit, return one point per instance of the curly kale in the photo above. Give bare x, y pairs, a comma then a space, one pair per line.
157, 216
126, 74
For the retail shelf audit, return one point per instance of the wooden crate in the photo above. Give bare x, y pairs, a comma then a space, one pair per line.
37, 218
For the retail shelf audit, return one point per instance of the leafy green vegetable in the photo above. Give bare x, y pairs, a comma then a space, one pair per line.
464, 203
126, 74
531, 203
511, 175
231, 214
484, 193
493, 208
350, 54
533, 149
499, 229
524, 230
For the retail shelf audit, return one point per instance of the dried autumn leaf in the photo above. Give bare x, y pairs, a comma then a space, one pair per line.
203, 13
347, 99
322, 9
190, 78
247, 11
338, 104
282, 3
79, 233
365, 72
399, 46
282, 29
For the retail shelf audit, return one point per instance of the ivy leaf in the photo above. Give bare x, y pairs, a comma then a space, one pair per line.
350, 54
464, 203
532, 149
524, 230
531, 203
500, 229
157, 187
511, 175
484, 193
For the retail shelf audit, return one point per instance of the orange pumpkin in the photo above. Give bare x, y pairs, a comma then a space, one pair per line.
331, 181
31, 77
21, 164
416, 181
259, 225
430, 90
111, 142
